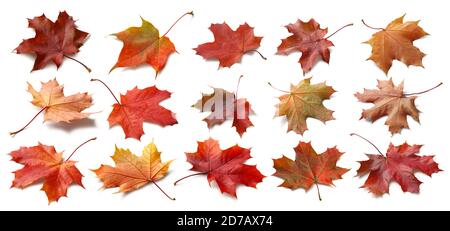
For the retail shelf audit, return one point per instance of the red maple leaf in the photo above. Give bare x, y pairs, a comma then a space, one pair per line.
229, 46
224, 106
308, 38
225, 167
53, 40
399, 165
42, 162
309, 168
241, 120
137, 106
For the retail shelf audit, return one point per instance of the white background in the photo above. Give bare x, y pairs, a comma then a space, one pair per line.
187, 75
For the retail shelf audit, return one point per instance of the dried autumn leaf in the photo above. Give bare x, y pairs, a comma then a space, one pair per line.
225, 167
53, 40
143, 45
132, 172
303, 101
229, 46
43, 163
223, 106
57, 107
308, 38
137, 106
390, 101
399, 165
396, 42
309, 168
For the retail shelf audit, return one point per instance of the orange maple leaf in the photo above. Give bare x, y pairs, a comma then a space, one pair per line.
144, 45
396, 42
57, 107
132, 172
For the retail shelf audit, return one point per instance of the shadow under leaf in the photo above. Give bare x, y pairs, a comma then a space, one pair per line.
68, 127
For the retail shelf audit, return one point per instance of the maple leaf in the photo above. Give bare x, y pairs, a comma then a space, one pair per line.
390, 101
399, 165
308, 38
132, 172
224, 105
225, 167
143, 45
308, 168
137, 106
303, 101
396, 42
43, 163
57, 107
53, 40
229, 46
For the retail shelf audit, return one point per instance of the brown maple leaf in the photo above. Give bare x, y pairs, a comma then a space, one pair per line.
303, 101
390, 101
225, 167
132, 172
57, 107
308, 38
396, 42
229, 46
224, 106
137, 106
53, 40
309, 168
42, 162
399, 165
144, 45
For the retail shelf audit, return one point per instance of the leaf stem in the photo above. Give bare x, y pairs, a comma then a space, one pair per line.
195, 174
109, 89
374, 28
350, 24
79, 146
421, 92
287, 92
172, 198
182, 16
82, 64
354, 134
237, 86
318, 191
262, 56
23, 128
